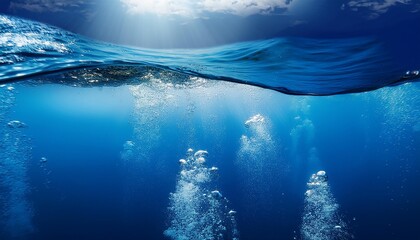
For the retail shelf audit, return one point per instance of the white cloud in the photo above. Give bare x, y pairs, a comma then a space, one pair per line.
196, 8
48, 5
377, 7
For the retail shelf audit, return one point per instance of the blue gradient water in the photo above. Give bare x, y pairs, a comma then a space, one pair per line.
95, 154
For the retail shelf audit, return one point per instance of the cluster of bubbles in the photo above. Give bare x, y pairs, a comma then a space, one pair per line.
7, 99
15, 209
399, 107
303, 132
257, 141
128, 151
256, 160
157, 92
150, 99
321, 219
198, 211
43, 165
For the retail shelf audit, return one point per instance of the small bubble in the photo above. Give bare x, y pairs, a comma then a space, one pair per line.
16, 124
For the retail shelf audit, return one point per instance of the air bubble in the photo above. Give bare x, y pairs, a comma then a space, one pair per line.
16, 124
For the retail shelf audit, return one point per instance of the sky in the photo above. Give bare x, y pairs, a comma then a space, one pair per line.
204, 23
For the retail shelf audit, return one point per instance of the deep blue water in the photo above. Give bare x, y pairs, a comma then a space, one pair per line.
92, 135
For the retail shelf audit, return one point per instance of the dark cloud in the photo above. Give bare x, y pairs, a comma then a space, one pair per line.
40, 6
376, 7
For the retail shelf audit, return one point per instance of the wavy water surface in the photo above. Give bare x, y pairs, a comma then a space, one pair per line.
41, 53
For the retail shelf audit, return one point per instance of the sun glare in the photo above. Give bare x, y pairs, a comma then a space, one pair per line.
198, 8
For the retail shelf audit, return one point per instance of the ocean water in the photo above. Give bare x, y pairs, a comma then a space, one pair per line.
287, 138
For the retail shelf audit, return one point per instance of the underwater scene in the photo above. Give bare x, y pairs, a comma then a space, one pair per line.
289, 137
